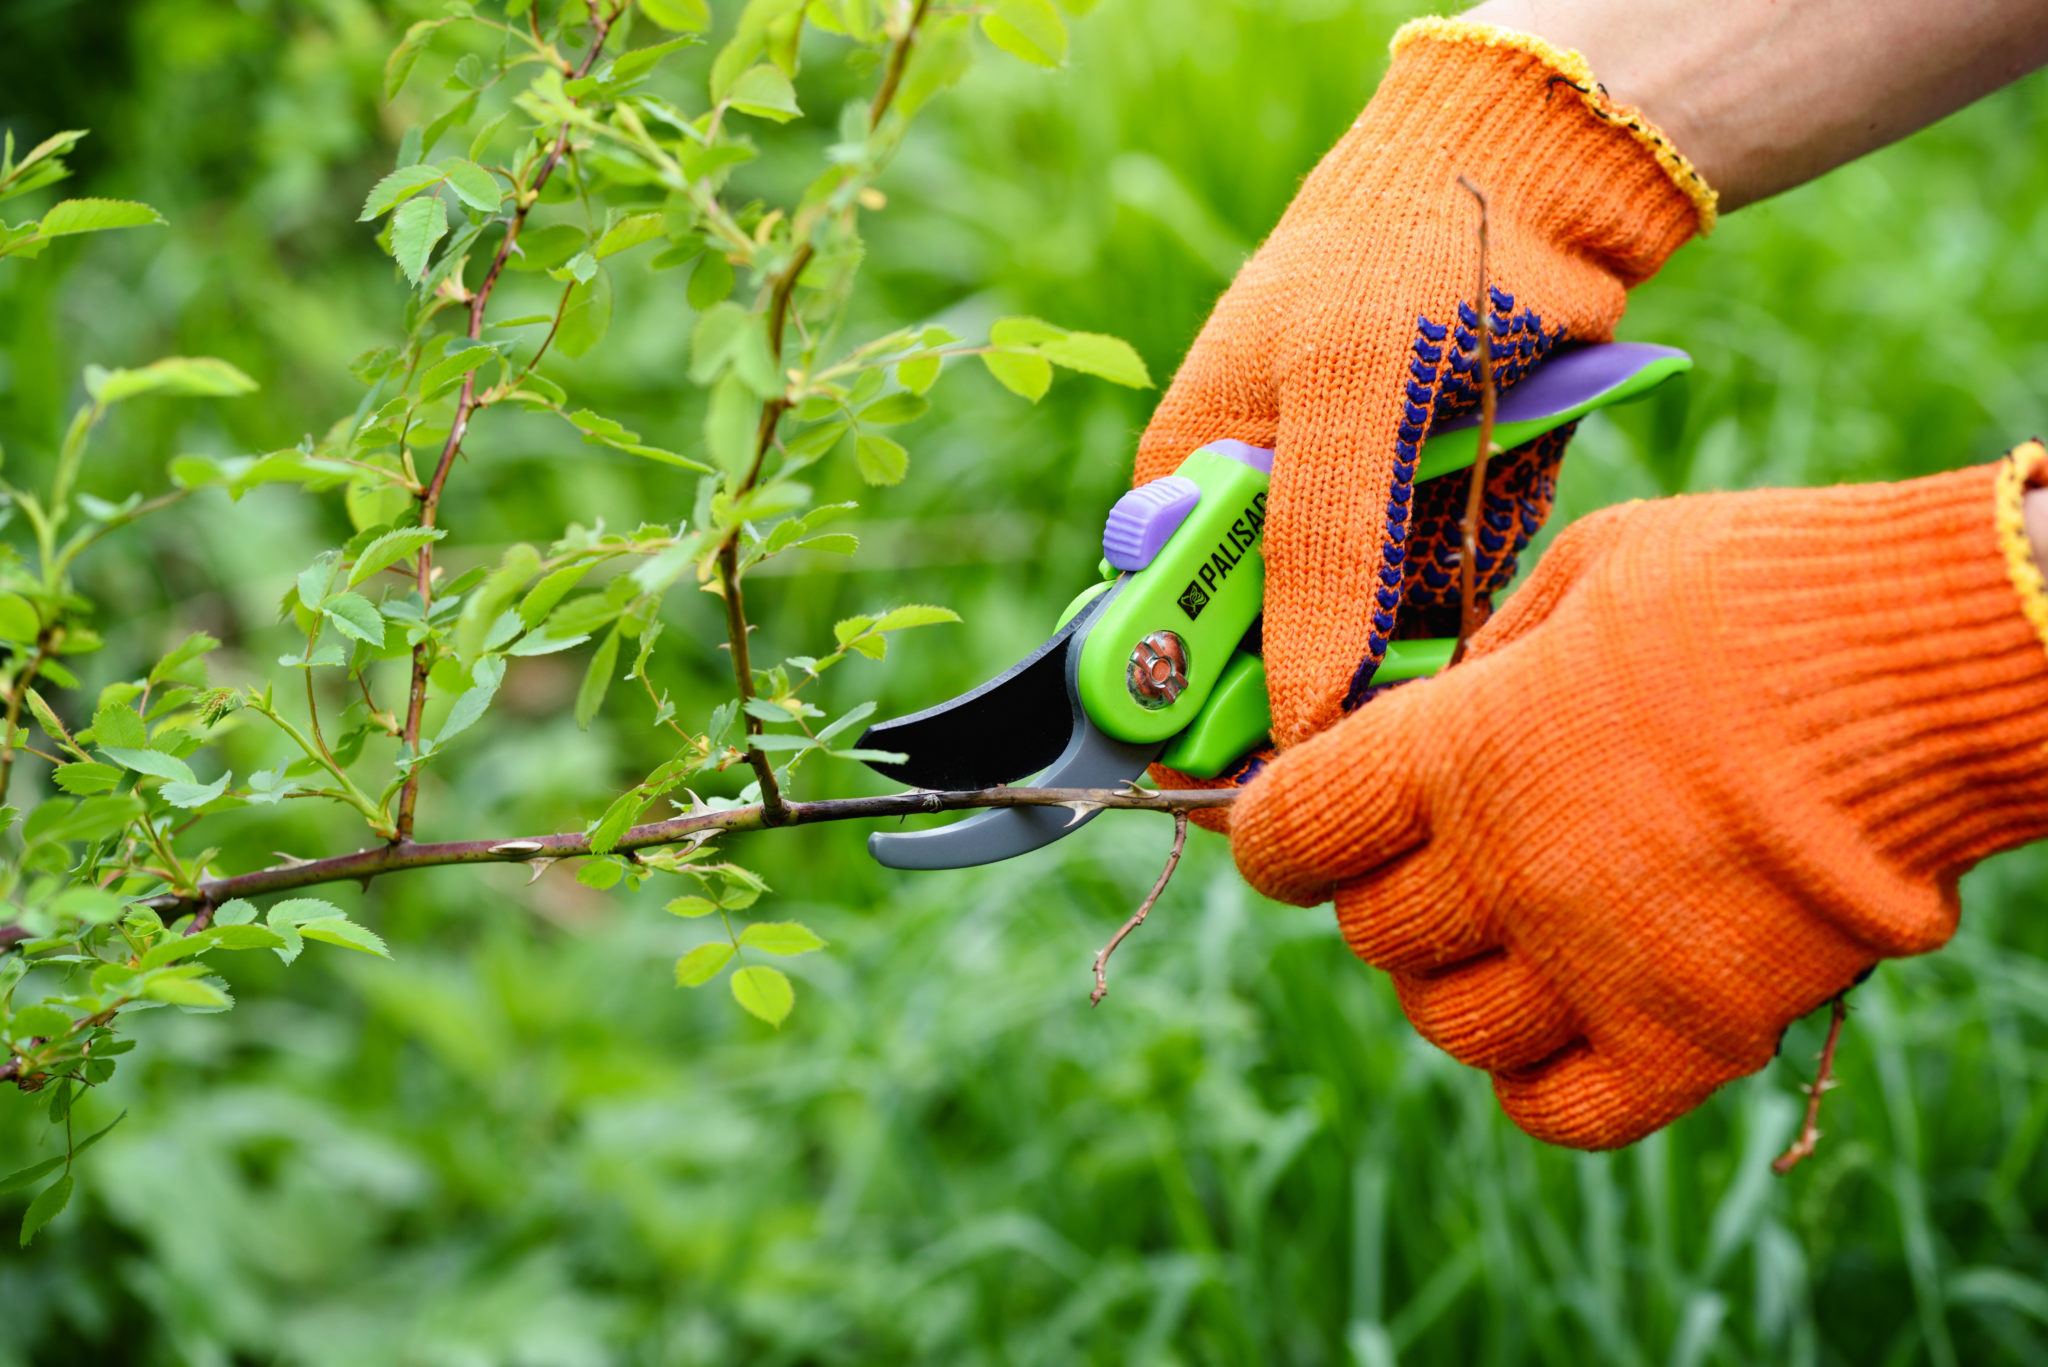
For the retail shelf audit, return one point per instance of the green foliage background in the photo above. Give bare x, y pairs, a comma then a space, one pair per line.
520, 1144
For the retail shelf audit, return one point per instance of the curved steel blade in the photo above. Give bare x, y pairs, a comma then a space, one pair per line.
1090, 759
1015, 724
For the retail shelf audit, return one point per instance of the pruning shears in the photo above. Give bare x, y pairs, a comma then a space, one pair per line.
1149, 663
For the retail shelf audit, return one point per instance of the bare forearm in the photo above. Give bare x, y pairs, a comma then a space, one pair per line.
1764, 95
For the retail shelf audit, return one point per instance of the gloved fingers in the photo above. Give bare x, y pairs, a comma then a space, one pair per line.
1416, 914
1584, 1098
1494, 1012
1521, 485
1351, 428
1577, 549
1223, 390
1339, 805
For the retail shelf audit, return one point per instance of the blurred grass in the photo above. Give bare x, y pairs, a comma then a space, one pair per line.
519, 1144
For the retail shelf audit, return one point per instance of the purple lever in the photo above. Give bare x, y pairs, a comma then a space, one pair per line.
1144, 519
1567, 380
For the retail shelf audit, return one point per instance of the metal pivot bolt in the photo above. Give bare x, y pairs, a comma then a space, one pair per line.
1158, 672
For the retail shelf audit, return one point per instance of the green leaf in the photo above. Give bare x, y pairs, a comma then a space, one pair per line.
627, 233
474, 701
702, 964
691, 906
415, 228
115, 724
18, 620
83, 780
711, 281
1023, 332
186, 376
727, 335
919, 375
189, 795
96, 215
1031, 29
632, 65
354, 616
881, 460
678, 16
239, 937
914, 615
398, 66
400, 185
615, 822
766, 93
390, 548
96, 818
544, 248
1093, 353
780, 937
765, 992
186, 992
191, 648
34, 1172
443, 374
40, 1021
155, 763
1025, 373
586, 317
237, 912
339, 930
895, 410
473, 185
96, 1136
597, 680
49, 1203
731, 426
542, 598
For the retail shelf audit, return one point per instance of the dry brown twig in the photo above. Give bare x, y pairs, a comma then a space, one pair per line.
1475, 498
1823, 1082
1180, 843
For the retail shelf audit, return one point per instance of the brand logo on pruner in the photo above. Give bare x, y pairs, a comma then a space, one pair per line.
1241, 536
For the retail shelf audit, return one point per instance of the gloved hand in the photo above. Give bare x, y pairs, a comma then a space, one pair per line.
1718, 757
1349, 331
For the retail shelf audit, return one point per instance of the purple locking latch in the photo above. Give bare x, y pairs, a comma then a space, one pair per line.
1144, 519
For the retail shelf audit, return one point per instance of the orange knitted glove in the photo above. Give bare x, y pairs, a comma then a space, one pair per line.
1716, 759
1349, 331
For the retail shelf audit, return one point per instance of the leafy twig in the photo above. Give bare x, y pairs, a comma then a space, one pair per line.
1180, 842
1475, 497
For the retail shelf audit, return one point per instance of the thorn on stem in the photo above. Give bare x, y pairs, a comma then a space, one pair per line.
1823, 1083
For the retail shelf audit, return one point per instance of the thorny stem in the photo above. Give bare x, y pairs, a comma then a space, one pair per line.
1823, 1082
1180, 842
1475, 497
774, 806
465, 408
406, 855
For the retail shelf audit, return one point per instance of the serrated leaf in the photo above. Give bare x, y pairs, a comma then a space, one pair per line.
390, 548
541, 599
474, 701
765, 992
236, 912
49, 1203
711, 280
1025, 373
18, 620
691, 906
155, 763
473, 185
914, 615
83, 780
193, 647
446, 372
678, 16
186, 376
415, 228
785, 938
400, 185
34, 1172
597, 680
881, 460
242, 936
354, 616
189, 795
398, 66
627, 233
615, 822
96, 215
339, 930
1094, 353
895, 410
702, 964
186, 992
919, 375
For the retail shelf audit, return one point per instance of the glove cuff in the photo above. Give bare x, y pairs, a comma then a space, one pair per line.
1910, 630
1529, 124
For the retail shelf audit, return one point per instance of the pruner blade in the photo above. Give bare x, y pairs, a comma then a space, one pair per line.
1010, 727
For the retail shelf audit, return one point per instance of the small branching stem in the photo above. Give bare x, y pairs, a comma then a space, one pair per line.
1180, 843
1475, 497
17, 694
1823, 1082
465, 408
404, 856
